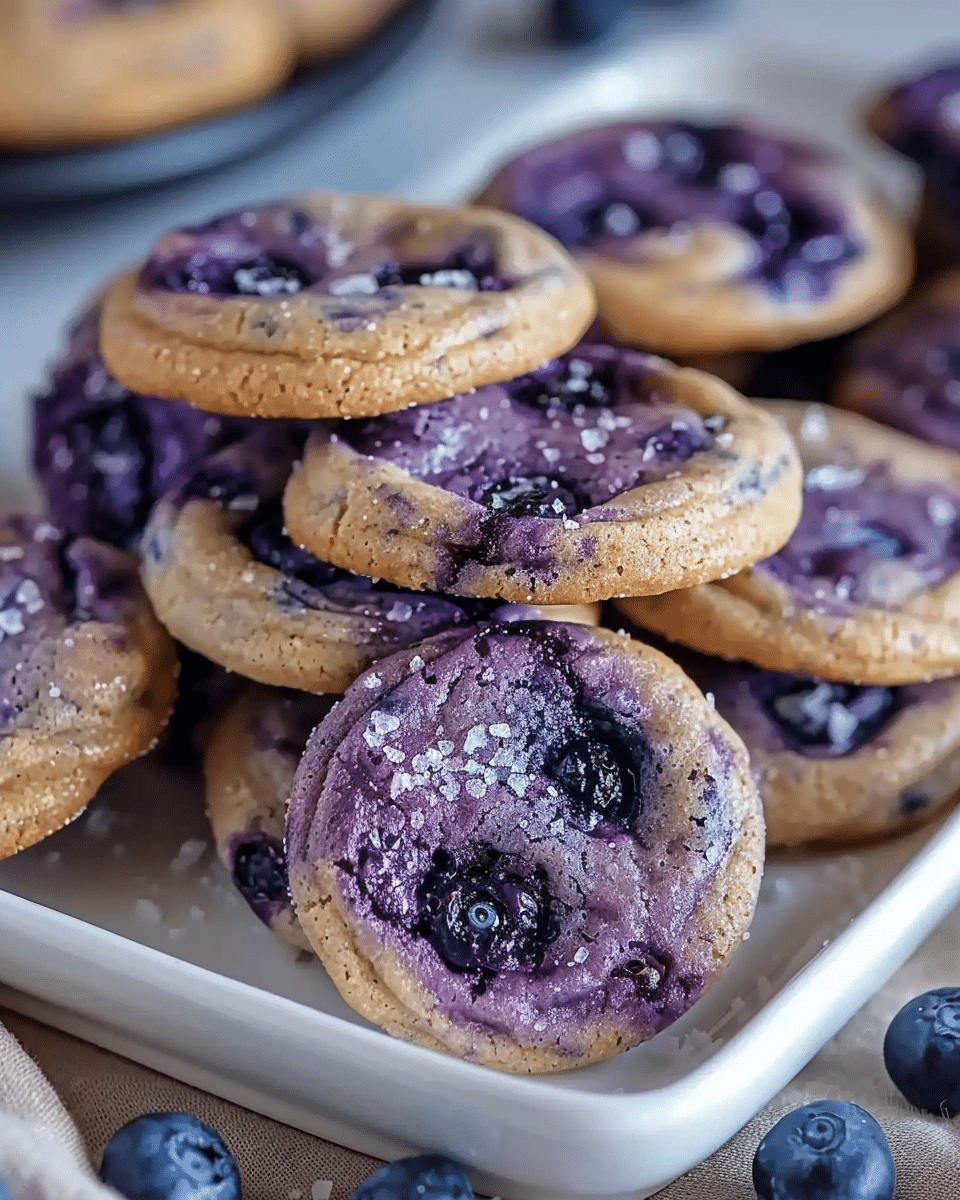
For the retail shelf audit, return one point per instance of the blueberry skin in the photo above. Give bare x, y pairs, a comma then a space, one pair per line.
170, 1156
4, 1191
829, 1150
422, 1177
578, 22
921, 1051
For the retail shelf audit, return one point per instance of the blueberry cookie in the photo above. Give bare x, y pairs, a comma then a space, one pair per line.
103, 455
905, 370
87, 675
704, 239
227, 581
86, 71
920, 118
334, 305
605, 472
248, 770
837, 761
326, 28
867, 590
531, 845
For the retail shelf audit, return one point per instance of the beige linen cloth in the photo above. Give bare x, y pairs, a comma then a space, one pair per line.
42, 1155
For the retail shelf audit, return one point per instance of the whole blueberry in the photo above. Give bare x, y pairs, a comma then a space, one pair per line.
170, 1156
422, 1177
922, 1051
581, 21
828, 1150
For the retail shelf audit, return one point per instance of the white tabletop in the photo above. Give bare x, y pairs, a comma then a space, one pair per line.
468, 71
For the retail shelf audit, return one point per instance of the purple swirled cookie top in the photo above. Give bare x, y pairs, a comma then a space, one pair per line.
914, 365
921, 119
499, 820
277, 250
553, 444
103, 455
235, 479
48, 581
256, 857
602, 189
865, 539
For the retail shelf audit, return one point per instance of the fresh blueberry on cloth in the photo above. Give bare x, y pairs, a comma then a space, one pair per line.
828, 1150
423, 1177
170, 1156
922, 1051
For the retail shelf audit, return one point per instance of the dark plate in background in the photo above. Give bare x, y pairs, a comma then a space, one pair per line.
29, 178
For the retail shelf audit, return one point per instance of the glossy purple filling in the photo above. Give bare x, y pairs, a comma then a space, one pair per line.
598, 190
865, 539
275, 251
494, 811
577, 432
49, 580
103, 455
921, 119
915, 370
805, 716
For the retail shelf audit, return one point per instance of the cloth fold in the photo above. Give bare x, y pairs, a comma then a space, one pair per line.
42, 1149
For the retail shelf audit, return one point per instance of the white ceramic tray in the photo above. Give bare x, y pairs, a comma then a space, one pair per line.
124, 930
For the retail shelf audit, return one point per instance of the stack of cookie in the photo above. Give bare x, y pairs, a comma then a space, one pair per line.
81, 72
364, 450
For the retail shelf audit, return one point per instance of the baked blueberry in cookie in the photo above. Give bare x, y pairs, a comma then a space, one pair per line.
334, 305
707, 239
603, 472
905, 370
87, 675
867, 590
80, 72
227, 581
839, 761
249, 765
920, 118
103, 455
532, 845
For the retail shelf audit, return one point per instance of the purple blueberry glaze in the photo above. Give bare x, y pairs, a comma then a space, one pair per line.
497, 820
921, 119
48, 581
275, 251
599, 189
104, 455
811, 717
571, 435
914, 368
865, 539
259, 872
